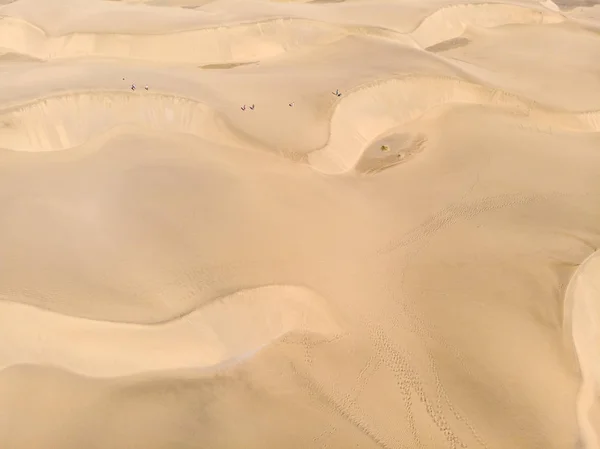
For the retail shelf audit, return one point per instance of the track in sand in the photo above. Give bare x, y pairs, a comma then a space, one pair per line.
238, 257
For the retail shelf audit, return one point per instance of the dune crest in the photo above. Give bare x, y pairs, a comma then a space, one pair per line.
69, 120
314, 224
361, 116
583, 302
249, 41
228, 329
451, 21
368, 112
235, 43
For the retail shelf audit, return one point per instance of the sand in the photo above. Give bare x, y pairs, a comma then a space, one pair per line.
411, 264
584, 317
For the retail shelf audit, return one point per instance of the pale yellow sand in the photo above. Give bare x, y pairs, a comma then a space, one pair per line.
401, 266
583, 316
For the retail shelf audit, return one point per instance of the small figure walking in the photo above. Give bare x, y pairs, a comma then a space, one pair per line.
337, 93
133, 87
243, 108
252, 107
146, 87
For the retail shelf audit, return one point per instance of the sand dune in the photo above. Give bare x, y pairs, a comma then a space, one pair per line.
372, 111
70, 120
235, 43
238, 257
252, 41
450, 22
230, 329
584, 313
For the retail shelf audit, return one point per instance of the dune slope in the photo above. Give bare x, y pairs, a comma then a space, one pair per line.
582, 299
299, 224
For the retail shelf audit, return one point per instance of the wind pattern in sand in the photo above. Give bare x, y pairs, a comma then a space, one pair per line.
299, 224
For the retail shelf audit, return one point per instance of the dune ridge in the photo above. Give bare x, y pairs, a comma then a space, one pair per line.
358, 119
256, 40
235, 43
233, 258
68, 120
369, 111
201, 338
451, 21
582, 302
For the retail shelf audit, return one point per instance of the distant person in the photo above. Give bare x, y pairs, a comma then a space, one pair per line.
146, 87
337, 93
133, 87
243, 108
252, 107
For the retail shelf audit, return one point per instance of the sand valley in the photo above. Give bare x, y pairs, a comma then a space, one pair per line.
299, 224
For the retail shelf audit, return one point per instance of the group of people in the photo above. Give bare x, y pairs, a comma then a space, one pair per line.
133, 86
337, 93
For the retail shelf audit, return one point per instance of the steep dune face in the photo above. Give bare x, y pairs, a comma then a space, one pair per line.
233, 43
583, 312
450, 22
323, 225
253, 40
226, 330
66, 121
70, 120
370, 112
526, 45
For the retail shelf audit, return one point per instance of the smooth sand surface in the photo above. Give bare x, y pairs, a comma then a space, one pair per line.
584, 319
408, 265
